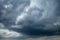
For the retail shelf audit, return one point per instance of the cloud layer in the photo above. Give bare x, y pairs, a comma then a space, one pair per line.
29, 17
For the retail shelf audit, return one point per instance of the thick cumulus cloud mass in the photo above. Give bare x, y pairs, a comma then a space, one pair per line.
29, 17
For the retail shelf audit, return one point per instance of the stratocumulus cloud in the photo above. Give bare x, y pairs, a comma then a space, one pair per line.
29, 17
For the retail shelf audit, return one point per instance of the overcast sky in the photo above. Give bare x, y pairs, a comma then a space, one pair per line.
29, 18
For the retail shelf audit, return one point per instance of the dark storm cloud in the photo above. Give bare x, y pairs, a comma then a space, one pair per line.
8, 13
58, 9
38, 21
35, 27
8, 10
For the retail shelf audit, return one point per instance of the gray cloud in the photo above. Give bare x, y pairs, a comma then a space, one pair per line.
42, 25
31, 17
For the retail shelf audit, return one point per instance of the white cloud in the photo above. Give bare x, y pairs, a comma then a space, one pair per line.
8, 6
21, 17
9, 34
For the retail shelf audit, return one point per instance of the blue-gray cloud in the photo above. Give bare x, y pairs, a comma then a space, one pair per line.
31, 17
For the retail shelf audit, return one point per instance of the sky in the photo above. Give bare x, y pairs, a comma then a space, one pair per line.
29, 18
